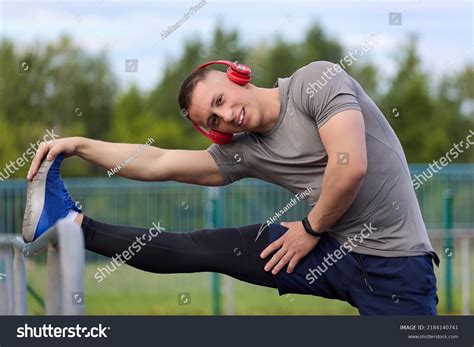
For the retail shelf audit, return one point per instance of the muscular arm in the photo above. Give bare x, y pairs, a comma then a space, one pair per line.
149, 164
343, 137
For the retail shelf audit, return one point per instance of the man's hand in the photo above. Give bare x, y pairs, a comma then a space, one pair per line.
295, 244
149, 164
50, 150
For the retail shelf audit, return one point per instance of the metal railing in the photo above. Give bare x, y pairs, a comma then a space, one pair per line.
64, 244
183, 207
460, 253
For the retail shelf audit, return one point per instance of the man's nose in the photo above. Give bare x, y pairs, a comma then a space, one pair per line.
227, 116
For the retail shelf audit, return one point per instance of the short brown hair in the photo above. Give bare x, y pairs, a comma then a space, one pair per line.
187, 88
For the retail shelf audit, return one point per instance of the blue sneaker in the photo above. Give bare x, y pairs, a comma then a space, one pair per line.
47, 200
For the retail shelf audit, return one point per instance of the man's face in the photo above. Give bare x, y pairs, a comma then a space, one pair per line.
220, 104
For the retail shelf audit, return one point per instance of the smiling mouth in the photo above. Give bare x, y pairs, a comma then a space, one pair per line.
241, 117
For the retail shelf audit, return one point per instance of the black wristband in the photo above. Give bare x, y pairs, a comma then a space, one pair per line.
308, 228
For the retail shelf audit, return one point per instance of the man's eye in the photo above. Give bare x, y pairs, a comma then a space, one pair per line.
219, 99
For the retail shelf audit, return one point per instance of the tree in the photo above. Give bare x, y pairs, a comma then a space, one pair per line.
51, 86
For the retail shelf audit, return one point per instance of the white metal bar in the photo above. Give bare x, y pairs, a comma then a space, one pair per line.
53, 300
10, 291
19, 283
228, 290
64, 243
71, 262
435, 234
3, 281
465, 276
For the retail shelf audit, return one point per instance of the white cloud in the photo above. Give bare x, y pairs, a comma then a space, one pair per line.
132, 30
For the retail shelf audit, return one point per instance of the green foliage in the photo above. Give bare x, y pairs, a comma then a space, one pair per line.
427, 122
76, 93
51, 86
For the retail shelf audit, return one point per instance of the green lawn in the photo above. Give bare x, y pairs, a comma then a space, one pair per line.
128, 291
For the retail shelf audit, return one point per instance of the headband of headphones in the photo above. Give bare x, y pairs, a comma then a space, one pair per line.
237, 73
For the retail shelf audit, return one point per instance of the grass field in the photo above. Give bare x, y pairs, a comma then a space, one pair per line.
128, 291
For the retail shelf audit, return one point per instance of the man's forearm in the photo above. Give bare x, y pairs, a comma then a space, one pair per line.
140, 160
338, 191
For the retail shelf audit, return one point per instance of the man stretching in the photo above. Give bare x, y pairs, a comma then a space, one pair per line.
364, 241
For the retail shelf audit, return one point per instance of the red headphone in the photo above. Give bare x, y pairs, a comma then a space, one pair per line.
237, 73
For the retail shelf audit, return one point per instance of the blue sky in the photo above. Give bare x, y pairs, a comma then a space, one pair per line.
132, 30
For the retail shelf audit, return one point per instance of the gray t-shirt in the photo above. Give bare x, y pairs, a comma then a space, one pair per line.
292, 155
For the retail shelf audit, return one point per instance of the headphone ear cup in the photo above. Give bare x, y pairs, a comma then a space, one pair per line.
215, 136
219, 138
240, 76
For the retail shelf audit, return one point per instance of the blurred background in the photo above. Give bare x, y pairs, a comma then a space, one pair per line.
111, 70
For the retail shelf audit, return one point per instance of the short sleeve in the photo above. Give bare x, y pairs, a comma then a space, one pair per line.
326, 89
230, 160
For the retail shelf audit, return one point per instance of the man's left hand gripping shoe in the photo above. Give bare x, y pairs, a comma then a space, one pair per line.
47, 200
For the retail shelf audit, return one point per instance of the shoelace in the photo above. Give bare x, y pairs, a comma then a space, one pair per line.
70, 204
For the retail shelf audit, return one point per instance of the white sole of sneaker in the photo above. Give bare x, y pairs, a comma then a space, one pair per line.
35, 201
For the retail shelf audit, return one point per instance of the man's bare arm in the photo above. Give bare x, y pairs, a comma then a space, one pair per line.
145, 163
343, 137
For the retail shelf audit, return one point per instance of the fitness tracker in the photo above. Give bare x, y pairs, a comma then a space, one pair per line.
309, 230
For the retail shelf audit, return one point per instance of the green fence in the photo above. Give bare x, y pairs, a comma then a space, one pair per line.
183, 207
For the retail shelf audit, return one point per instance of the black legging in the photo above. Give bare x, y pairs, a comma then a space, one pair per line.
231, 251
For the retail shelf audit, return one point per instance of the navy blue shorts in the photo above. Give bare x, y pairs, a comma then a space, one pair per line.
374, 285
